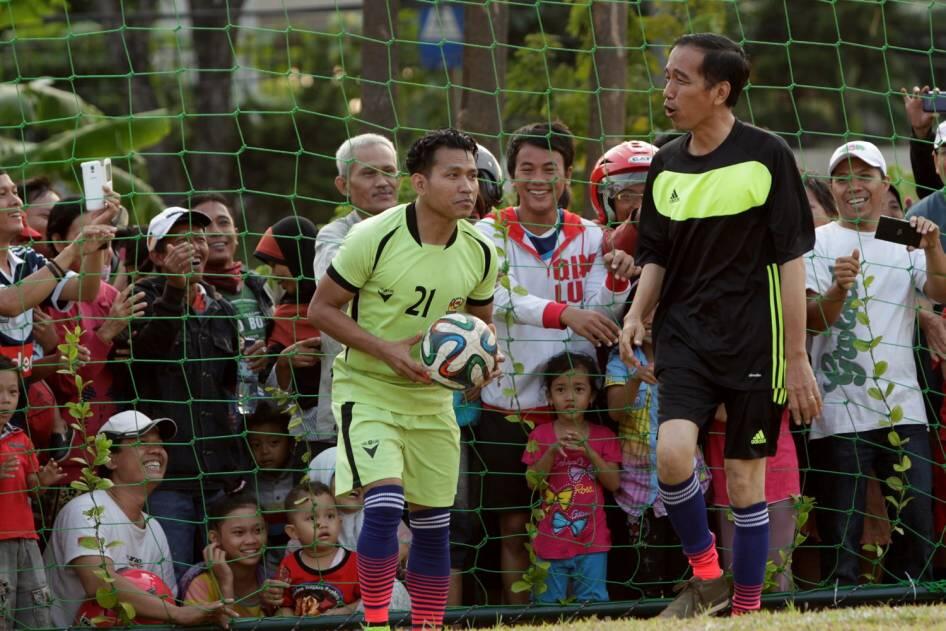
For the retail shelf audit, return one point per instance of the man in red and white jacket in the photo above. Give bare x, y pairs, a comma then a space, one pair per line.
557, 291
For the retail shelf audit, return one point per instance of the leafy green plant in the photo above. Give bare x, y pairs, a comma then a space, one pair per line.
898, 483
534, 578
95, 454
803, 507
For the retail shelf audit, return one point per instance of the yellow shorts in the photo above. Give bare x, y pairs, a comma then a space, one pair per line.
376, 444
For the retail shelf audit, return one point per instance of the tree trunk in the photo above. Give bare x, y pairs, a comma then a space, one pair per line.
486, 29
212, 136
379, 66
130, 52
608, 81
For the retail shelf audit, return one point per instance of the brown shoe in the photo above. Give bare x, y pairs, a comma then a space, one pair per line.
698, 597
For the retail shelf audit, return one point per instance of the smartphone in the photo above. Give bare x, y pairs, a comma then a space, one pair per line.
897, 231
934, 102
96, 175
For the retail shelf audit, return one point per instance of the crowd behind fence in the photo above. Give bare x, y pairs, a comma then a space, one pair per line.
168, 440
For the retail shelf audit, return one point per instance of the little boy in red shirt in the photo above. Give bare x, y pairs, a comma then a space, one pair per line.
322, 575
24, 596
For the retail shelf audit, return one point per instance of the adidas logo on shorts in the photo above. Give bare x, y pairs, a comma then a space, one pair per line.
674, 198
759, 438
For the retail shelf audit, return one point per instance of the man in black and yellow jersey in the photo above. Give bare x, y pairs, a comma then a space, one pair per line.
398, 437
725, 223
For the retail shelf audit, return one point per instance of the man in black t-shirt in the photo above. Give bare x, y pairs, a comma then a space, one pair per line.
724, 225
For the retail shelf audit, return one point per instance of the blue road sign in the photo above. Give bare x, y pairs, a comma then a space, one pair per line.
441, 31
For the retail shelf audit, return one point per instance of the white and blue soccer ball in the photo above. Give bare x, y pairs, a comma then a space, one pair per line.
459, 350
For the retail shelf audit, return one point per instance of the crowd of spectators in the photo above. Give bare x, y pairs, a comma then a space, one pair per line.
214, 390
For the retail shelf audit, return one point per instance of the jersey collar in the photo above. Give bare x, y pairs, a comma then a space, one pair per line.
569, 224
411, 213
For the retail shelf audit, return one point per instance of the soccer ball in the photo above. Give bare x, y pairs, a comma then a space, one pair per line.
92, 614
460, 351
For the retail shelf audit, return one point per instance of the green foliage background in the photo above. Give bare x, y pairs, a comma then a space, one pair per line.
821, 70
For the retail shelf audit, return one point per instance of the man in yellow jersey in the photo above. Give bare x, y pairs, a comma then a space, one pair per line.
398, 438
724, 226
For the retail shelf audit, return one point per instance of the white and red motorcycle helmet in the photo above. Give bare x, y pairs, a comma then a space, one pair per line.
619, 167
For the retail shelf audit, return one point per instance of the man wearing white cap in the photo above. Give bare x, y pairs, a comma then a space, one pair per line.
851, 274
933, 207
136, 466
185, 360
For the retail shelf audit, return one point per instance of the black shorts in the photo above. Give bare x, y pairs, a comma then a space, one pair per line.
499, 446
753, 416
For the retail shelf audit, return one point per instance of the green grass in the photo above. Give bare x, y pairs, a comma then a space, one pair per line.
927, 618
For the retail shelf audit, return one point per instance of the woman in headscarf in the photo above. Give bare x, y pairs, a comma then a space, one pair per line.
289, 247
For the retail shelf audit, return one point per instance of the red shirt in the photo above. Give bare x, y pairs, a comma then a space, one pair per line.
291, 325
97, 374
40, 414
17, 522
313, 591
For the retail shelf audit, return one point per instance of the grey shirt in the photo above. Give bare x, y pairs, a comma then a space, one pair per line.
933, 207
327, 243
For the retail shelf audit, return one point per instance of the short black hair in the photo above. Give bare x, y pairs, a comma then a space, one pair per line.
6, 363
218, 510
896, 193
305, 489
420, 157
33, 188
135, 247
565, 362
554, 136
61, 217
212, 198
723, 60
821, 193
268, 412
207, 197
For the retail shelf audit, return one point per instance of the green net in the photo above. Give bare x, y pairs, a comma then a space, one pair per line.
250, 100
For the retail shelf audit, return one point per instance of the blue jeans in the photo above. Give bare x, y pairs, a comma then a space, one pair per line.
846, 461
585, 574
182, 515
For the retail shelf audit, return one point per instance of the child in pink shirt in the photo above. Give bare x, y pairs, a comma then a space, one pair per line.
578, 460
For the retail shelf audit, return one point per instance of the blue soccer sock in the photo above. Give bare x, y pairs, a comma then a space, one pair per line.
378, 550
686, 508
750, 552
428, 567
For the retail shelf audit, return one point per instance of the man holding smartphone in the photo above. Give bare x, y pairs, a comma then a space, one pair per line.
28, 279
933, 207
920, 106
864, 365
